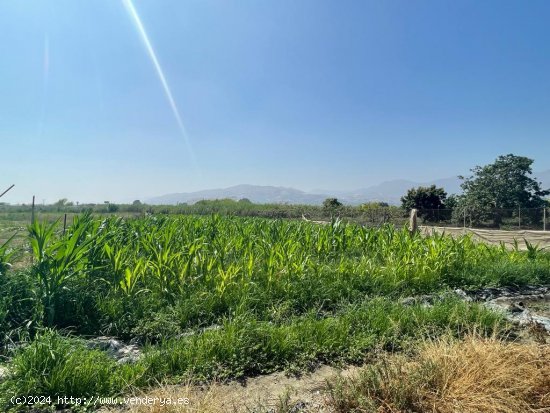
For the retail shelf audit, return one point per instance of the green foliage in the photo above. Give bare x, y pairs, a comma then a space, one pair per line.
54, 365
20, 313
244, 347
428, 200
225, 207
331, 204
504, 184
58, 260
378, 213
6, 253
113, 275
226, 296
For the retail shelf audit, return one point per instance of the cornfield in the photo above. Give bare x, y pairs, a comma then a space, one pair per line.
224, 297
170, 257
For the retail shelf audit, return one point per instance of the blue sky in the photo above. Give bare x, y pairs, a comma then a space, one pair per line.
308, 94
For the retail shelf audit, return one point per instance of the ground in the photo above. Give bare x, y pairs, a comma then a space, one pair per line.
528, 308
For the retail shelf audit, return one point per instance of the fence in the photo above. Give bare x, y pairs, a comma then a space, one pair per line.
537, 219
494, 218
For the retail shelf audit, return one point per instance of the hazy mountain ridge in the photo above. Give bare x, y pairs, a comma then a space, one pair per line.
255, 193
388, 191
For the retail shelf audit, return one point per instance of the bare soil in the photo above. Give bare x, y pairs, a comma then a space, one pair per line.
272, 393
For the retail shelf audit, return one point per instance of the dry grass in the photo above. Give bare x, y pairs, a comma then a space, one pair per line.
200, 400
447, 376
475, 375
273, 393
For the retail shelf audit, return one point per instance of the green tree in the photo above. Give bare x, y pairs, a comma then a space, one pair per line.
137, 206
504, 184
61, 204
331, 204
429, 200
376, 212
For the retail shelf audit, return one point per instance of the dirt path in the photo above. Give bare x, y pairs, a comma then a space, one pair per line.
263, 394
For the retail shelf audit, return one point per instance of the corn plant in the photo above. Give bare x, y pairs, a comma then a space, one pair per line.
175, 258
58, 259
6, 253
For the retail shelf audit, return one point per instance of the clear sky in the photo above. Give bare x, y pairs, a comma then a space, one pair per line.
307, 94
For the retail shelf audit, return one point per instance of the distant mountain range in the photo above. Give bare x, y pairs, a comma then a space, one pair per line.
389, 191
255, 193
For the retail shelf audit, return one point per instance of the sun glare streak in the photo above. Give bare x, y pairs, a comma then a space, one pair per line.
45, 78
46, 55
152, 55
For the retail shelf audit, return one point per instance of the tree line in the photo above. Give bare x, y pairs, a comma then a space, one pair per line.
491, 194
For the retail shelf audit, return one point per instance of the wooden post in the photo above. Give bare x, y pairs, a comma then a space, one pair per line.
413, 224
64, 224
32, 211
32, 222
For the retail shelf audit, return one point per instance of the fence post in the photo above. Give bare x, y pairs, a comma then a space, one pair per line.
413, 225
32, 211
32, 222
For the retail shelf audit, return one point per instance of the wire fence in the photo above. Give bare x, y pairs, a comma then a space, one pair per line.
512, 219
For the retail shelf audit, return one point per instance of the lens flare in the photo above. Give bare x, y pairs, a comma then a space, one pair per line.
153, 56
45, 78
46, 55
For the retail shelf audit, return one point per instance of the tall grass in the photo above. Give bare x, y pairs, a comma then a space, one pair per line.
159, 276
6, 254
55, 365
214, 297
446, 376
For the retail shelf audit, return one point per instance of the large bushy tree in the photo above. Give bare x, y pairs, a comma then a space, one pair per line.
331, 204
427, 199
505, 184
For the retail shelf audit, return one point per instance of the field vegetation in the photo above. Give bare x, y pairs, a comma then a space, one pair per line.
212, 297
446, 376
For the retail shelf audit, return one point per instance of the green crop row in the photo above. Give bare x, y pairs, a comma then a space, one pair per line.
154, 276
212, 297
